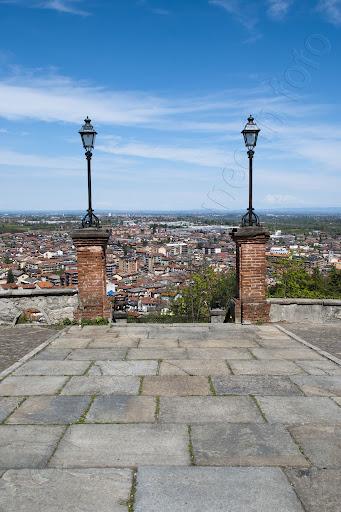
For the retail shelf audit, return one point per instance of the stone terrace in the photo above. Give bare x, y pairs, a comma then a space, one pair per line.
181, 418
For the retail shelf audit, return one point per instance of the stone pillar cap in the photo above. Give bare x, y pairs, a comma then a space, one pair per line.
90, 236
250, 232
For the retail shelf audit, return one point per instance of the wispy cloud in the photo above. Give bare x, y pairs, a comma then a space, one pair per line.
66, 6
151, 8
278, 9
331, 10
63, 6
242, 10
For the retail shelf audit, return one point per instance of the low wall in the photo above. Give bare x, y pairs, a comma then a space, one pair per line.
54, 304
315, 311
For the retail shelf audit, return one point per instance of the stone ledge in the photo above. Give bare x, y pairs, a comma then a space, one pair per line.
5, 294
313, 302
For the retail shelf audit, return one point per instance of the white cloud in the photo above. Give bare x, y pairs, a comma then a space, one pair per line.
279, 8
245, 12
331, 9
64, 6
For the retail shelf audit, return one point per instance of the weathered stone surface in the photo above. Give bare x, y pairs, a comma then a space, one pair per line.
285, 353
208, 409
265, 367
49, 410
53, 354
321, 443
192, 489
8, 405
114, 343
254, 385
194, 367
175, 386
279, 342
21, 386
337, 400
124, 368
105, 385
158, 343
27, 446
229, 342
313, 385
218, 353
97, 354
122, 409
321, 367
49, 368
67, 342
318, 489
122, 445
154, 353
49, 490
299, 409
245, 445
55, 307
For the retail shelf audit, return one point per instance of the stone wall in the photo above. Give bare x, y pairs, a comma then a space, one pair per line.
315, 311
54, 305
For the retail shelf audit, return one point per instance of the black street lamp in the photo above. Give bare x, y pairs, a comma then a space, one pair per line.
250, 134
88, 135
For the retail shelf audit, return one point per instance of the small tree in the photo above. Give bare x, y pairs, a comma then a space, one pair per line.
10, 277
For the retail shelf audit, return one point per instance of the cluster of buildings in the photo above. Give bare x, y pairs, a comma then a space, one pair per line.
148, 262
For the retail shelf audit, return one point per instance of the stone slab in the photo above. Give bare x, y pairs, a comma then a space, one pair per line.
337, 400
194, 367
232, 342
194, 489
104, 385
114, 343
124, 368
285, 353
321, 443
322, 367
49, 368
7, 406
315, 385
70, 343
279, 343
97, 354
158, 343
249, 444
218, 353
318, 489
50, 410
208, 409
122, 445
49, 490
175, 386
122, 409
265, 367
53, 354
155, 353
299, 409
254, 385
22, 386
27, 446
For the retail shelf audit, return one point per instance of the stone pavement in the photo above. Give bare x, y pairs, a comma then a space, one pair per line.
325, 336
172, 418
17, 341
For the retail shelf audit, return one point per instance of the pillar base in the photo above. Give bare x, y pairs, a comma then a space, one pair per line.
250, 312
91, 247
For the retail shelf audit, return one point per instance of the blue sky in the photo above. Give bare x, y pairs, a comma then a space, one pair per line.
169, 85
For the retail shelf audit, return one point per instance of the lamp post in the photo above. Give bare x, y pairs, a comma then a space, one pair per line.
250, 134
88, 135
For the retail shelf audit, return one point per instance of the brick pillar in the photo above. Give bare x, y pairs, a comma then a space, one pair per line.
250, 304
91, 245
